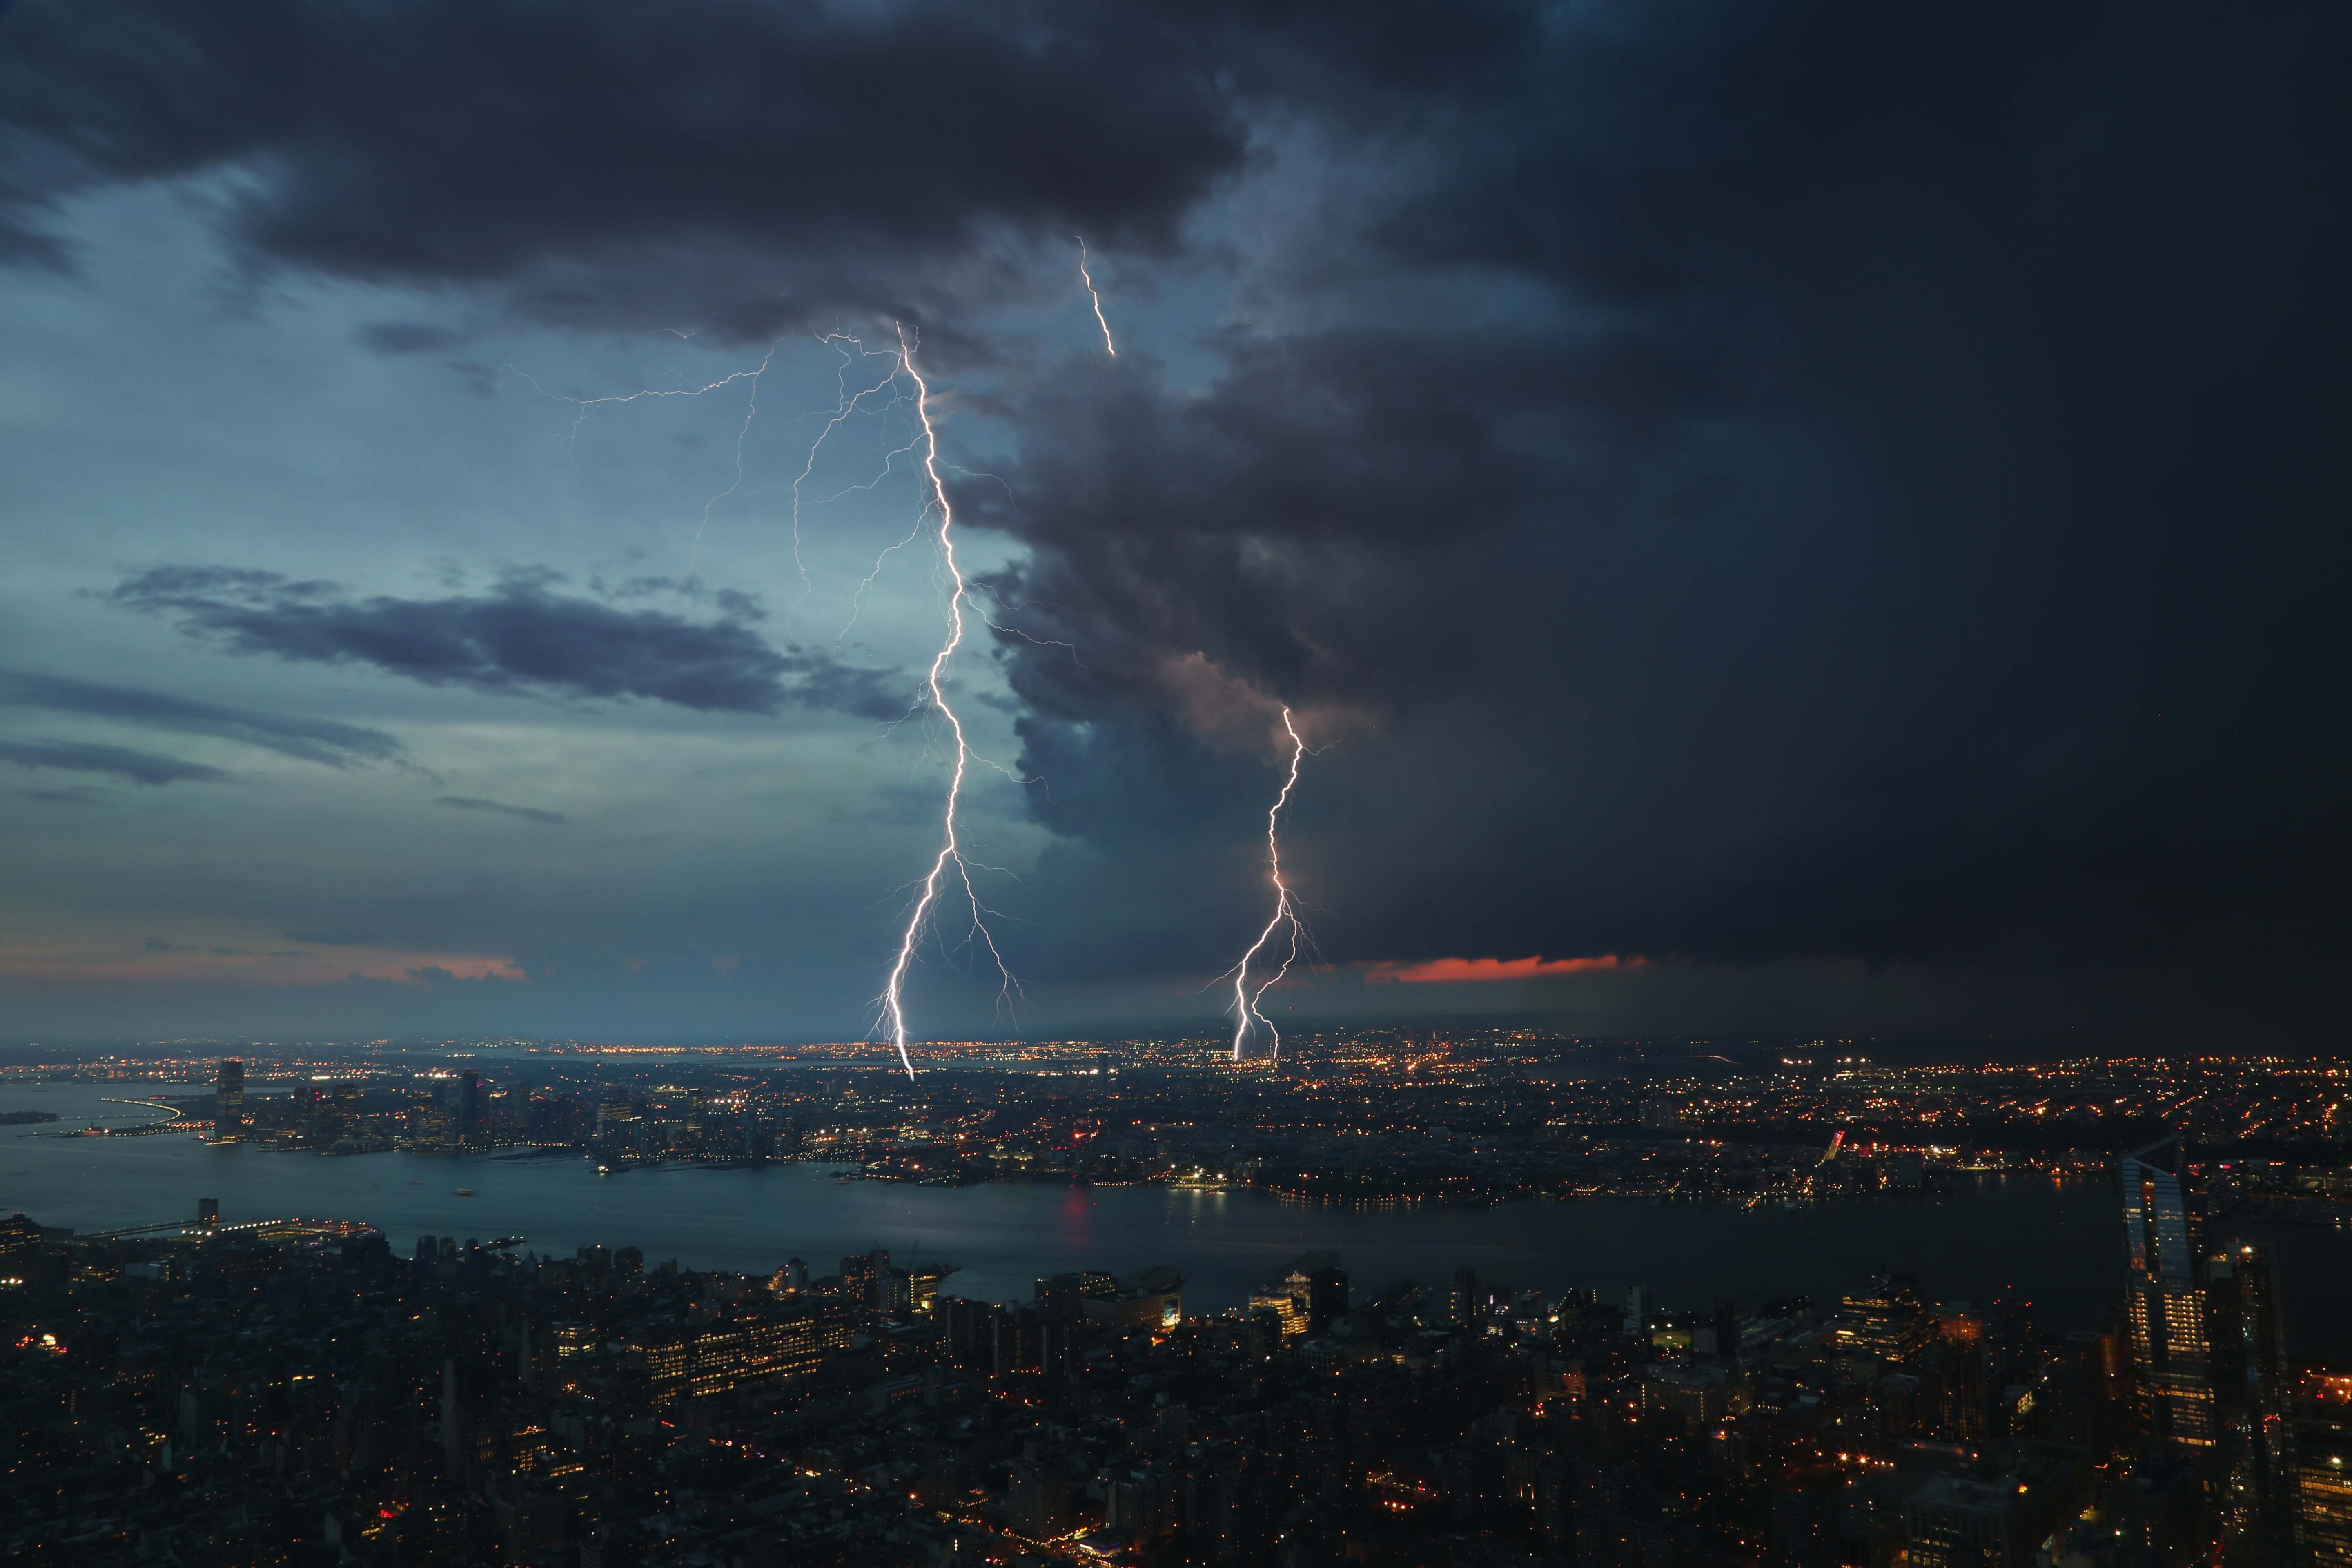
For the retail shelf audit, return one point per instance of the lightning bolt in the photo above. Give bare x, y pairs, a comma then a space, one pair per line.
1088, 280
844, 404
847, 403
1246, 1001
750, 413
951, 852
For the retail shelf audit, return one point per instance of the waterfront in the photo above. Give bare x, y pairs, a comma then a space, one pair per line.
2058, 1246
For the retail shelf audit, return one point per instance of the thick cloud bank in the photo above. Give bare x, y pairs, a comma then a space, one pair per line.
522, 639
1795, 483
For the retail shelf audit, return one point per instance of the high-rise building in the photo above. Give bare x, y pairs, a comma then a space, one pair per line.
20, 1238
781, 1343
2281, 1279
228, 1103
1725, 1324
2321, 1436
1038, 1498
1288, 1312
1327, 1296
1462, 1297
923, 1284
1885, 1324
860, 1273
2171, 1354
465, 1112
1062, 1298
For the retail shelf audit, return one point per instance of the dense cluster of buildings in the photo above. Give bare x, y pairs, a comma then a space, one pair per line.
1381, 1119
298, 1393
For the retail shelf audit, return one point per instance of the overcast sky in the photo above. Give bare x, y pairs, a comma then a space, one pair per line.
1775, 517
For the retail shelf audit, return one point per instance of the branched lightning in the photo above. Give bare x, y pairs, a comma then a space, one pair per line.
1246, 1000
844, 404
924, 446
1092, 293
950, 849
750, 413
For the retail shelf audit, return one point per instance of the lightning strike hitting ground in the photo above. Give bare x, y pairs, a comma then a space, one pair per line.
1088, 280
926, 443
950, 849
1246, 1001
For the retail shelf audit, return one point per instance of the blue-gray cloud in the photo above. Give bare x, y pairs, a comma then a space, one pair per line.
525, 812
337, 746
116, 761
519, 639
748, 164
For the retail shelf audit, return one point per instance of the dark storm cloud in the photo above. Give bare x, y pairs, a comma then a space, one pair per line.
116, 761
500, 807
1293, 523
1899, 514
611, 162
521, 637
1936, 556
313, 740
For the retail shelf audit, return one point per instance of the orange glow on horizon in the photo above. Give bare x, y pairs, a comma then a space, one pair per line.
1459, 971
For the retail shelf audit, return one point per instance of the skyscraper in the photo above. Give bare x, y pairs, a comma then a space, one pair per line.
465, 1112
228, 1103
2171, 1352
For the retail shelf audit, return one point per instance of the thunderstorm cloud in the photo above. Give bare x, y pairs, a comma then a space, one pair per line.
1843, 502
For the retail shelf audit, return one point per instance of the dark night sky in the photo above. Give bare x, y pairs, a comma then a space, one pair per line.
1841, 507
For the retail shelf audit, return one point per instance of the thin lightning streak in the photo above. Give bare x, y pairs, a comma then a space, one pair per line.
1088, 280
844, 404
751, 412
585, 404
950, 850
1246, 1001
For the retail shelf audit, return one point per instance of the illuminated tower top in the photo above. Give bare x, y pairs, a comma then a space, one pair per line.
2157, 1221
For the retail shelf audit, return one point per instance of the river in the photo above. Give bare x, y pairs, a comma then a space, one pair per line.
2059, 1245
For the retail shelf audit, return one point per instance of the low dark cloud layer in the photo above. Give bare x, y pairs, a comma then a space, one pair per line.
523, 637
337, 746
124, 762
720, 163
500, 808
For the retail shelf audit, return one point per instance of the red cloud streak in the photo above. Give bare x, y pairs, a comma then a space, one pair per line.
1456, 971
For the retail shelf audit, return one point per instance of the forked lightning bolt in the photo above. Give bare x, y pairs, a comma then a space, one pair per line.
1092, 293
847, 403
750, 413
950, 850
1246, 1000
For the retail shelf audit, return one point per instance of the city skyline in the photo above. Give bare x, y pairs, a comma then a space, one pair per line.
1100, 783
325, 1389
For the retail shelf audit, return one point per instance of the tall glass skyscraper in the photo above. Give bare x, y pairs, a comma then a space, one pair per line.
228, 1103
2171, 1353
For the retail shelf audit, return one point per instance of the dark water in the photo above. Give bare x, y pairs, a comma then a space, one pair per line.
2060, 1246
